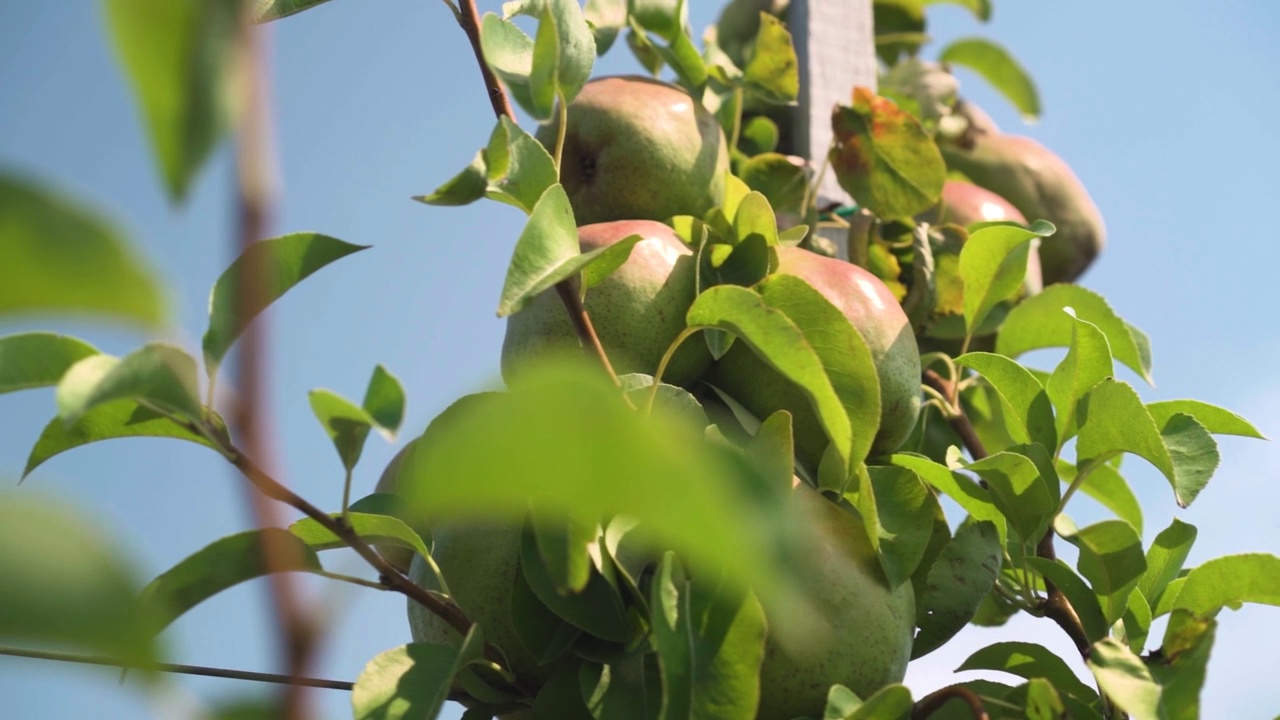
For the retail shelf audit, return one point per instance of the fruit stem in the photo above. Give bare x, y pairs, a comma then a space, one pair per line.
934, 702
958, 420
346, 495
737, 119
662, 365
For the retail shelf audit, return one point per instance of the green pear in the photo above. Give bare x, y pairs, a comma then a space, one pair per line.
637, 148
867, 631
878, 318
1042, 187
637, 311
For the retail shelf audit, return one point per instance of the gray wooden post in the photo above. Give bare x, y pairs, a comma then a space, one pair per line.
835, 43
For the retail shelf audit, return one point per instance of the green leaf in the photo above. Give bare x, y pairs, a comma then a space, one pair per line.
890, 702
884, 158
157, 374
117, 419
374, 528
519, 168
1230, 582
1039, 322
1043, 701
1088, 362
564, 547
223, 564
267, 10
845, 357
981, 9
178, 57
970, 496
1137, 622
960, 578
509, 53
1216, 420
1181, 669
551, 438
597, 608
755, 217
38, 359
276, 266
346, 424
1028, 410
575, 44
466, 187
1111, 559
57, 256
1105, 484
905, 509
772, 449
384, 401
1124, 679
412, 681
65, 581
1081, 597
993, 264
1028, 660
627, 688
994, 63
782, 182
1165, 558
602, 262
1113, 419
546, 253
772, 74
607, 18
1019, 491
778, 341
543, 633
710, 638
758, 136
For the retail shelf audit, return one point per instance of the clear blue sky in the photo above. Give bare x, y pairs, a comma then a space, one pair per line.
1166, 111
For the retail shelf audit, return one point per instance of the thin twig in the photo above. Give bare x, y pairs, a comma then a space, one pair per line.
179, 669
1056, 607
958, 420
469, 19
933, 702
254, 196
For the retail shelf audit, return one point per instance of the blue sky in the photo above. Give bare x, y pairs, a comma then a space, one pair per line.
1165, 110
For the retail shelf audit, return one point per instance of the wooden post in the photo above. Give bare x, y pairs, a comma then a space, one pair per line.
835, 43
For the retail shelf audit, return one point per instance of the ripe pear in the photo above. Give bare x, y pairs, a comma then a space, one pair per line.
875, 313
637, 311
965, 203
868, 630
1041, 186
637, 148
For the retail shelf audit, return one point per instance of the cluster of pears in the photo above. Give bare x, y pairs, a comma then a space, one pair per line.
638, 152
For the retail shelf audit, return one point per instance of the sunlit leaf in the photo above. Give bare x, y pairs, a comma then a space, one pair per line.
1231, 581
1105, 484
773, 72
1165, 558
57, 256
277, 265
1080, 595
1111, 559
157, 374
346, 424
38, 359
1028, 411
905, 509
371, 527
223, 564
1019, 491
883, 157
384, 401
993, 264
1125, 679
1028, 660
1216, 420
1087, 363
412, 681
1039, 322
267, 10
1181, 668
546, 253
973, 498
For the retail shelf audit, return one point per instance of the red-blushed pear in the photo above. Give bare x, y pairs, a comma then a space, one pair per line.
868, 627
637, 148
965, 203
875, 313
1042, 187
637, 311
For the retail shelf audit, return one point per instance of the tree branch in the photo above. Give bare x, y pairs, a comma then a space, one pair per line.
933, 702
393, 579
254, 188
1056, 607
469, 19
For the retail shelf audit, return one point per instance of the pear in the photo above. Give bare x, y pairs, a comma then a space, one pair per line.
1041, 186
875, 313
867, 630
637, 148
637, 311
965, 203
